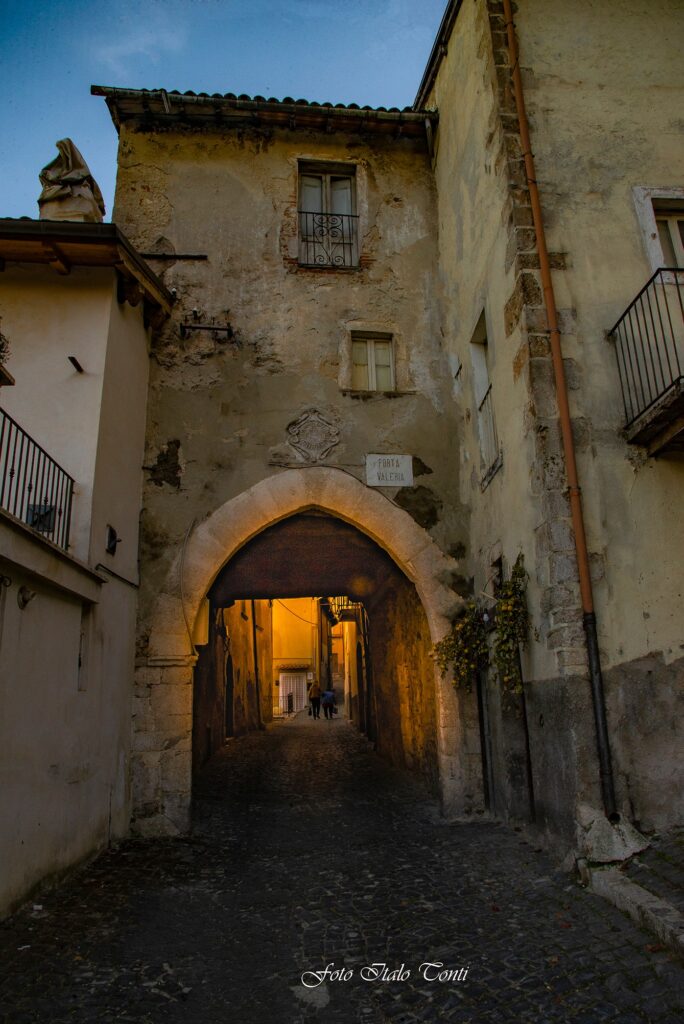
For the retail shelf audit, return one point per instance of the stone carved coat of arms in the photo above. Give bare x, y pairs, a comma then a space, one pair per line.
312, 435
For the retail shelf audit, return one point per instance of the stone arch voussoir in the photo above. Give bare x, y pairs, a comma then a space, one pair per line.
215, 540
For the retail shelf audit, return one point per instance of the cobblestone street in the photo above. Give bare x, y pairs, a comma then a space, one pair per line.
308, 850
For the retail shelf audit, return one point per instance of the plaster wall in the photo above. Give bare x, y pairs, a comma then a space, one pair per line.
351, 637
294, 638
47, 318
219, 412
230, 637
477, 275
59, 778
403, 688
601, 128
67, 745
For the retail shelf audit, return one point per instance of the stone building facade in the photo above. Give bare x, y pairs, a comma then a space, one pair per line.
424, 293
422, 328
77, 304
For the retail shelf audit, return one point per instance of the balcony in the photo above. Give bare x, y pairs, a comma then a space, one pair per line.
33, 487
328, 240
649, 345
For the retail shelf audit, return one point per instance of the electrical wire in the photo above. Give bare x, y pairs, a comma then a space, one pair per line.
295, 614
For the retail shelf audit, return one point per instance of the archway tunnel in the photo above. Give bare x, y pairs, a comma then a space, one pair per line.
316, 575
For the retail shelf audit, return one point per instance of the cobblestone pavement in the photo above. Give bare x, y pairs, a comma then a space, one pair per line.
309, 850
660, 868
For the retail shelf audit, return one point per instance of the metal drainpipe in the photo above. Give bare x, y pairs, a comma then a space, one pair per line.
257, 685
588, 613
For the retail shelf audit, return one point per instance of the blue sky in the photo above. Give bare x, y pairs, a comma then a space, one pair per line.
344, 51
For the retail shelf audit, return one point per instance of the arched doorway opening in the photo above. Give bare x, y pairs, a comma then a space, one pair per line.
178, 621
360, 603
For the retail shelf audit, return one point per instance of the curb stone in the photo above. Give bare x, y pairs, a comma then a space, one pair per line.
647, 910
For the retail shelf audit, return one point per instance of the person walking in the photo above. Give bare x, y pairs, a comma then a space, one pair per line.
328, 702
315, 699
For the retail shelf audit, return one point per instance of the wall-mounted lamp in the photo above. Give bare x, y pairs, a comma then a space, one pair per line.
112, 540
75, 363
25, 596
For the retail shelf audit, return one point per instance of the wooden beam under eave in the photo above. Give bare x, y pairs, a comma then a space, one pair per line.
126, 266
57, 258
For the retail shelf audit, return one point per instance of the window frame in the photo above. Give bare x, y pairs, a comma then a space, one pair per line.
649, 201
308, 248
672, 218
370, 338
491, 452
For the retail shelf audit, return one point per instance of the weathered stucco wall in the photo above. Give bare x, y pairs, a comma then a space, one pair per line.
295, 638
219, 412
225, 674
403, 687
599, 127
49, 317
68, 657
219, 409
602, 128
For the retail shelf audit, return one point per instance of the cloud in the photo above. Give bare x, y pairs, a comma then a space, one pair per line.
135, 44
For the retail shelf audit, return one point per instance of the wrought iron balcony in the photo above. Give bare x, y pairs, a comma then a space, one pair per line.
649, 345
343, 609
33, 487
328, 240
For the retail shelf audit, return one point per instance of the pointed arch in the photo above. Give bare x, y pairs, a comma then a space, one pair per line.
162, 784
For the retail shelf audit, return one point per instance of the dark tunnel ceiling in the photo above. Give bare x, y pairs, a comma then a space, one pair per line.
311, 554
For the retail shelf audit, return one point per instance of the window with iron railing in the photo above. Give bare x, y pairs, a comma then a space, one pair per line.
328, 224
649, 345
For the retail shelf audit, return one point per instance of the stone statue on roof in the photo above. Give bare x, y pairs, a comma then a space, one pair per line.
69, 190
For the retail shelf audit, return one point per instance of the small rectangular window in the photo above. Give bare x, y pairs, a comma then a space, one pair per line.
670, 224
372, 363
328, 224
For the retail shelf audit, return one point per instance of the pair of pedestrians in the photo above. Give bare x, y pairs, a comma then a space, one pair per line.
324, 699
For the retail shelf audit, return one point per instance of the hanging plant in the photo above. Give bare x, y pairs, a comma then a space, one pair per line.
512, 627
464, 649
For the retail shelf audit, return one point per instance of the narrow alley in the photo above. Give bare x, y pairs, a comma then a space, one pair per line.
308, 850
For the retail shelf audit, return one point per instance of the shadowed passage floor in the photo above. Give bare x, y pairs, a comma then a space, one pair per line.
309, 852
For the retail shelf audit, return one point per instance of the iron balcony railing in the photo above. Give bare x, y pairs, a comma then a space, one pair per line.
489, 440
649, 344
33, 487
328, 239
344, 609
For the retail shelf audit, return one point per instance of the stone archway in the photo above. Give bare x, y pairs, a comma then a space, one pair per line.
162, 756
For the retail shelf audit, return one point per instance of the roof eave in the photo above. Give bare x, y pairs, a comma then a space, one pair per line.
438, 52
96, 236
157, 106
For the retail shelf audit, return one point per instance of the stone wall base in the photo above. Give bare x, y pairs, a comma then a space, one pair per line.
645, 713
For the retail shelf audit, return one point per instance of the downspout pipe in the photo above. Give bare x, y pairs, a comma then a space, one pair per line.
574, 492
257, 683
